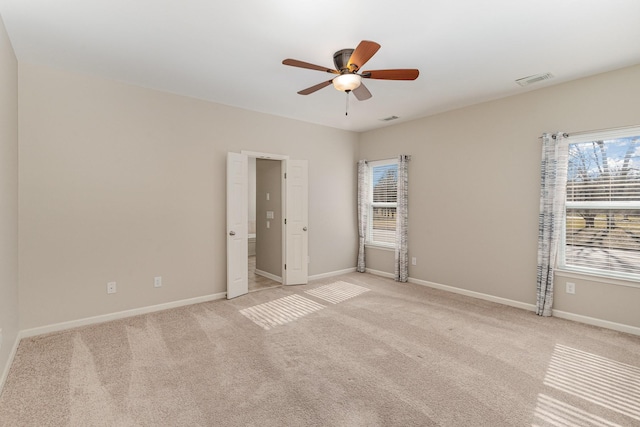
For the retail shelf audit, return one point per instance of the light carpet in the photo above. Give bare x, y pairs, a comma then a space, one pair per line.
357, 350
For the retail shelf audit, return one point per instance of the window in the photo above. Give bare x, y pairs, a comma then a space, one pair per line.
383, 202
602, 227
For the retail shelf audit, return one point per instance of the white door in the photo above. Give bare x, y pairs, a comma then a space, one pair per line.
237, 224
296, 228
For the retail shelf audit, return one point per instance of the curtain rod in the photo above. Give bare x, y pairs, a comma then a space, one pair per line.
568, 134
389, 158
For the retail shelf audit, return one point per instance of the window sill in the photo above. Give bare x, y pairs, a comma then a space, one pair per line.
378, 246
598, 278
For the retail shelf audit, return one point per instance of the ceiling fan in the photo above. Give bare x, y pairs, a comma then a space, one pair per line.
348, 63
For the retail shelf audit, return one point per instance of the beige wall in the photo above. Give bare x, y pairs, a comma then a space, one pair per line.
474, 190
8, 198
120, 183
269, 240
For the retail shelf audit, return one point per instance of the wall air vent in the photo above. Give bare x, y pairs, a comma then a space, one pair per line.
526, 81
388, 119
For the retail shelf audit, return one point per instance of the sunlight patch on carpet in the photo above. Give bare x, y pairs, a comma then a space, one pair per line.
337, 292
596, 379
558, 413
280, 311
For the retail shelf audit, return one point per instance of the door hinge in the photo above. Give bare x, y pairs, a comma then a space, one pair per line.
285, 266
285, 221
285, 175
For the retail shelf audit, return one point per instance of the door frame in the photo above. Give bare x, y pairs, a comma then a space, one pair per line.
283, 200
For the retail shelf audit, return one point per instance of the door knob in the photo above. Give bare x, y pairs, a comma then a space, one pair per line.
232, 233
304, 228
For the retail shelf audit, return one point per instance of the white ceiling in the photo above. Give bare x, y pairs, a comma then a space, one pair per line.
231, 52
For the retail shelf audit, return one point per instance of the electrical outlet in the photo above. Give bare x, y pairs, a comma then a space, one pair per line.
111, 287
571, 288
414, 261
157, 282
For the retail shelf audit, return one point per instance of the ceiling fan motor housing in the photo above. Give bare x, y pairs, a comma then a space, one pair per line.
341, 59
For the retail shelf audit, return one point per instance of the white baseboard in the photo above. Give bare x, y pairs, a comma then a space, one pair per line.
597, 322
118, 315
7, 366
381, 273
473, 294
530, 307
332, 273
98, 319
269, 276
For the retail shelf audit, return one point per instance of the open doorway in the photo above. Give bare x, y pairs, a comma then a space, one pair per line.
293, 220
265, 224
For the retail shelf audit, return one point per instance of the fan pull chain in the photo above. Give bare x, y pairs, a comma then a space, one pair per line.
346, 113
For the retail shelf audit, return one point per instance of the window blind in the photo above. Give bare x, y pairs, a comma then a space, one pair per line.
603, 206
384, 201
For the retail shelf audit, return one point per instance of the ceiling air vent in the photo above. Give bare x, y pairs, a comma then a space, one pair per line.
526, 81
388, 119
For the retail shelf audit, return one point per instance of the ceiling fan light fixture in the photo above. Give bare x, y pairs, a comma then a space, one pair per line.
347, 82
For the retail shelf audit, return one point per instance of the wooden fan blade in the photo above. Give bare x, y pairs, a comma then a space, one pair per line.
302, 64
312, 89
361, 93
365, 50
399, 74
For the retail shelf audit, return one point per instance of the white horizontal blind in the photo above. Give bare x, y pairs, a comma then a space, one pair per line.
603, 207
384, 202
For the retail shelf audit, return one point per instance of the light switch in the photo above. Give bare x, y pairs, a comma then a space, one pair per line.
268, 196
268, 224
